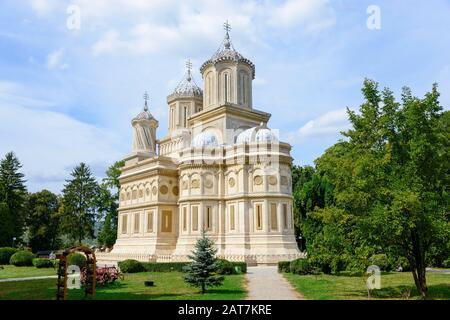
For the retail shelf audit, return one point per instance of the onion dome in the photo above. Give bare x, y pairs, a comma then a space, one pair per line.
257, 134
187, 88
205, 139
144, 114
226, 52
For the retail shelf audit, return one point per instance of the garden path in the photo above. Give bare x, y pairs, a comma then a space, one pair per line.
265, 283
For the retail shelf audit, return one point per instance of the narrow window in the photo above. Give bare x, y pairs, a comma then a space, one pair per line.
124, 223
226, 88
185, 116
285, 216
150, 221
273, 216
232, 217
208, 217
259, 216
194, 218
136, 222
166, 221
184, 218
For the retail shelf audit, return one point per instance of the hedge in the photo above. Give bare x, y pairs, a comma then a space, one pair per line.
284, 266
22, 258
6, 253
43, 263
77, 259
300, 266
164, 266
132, 266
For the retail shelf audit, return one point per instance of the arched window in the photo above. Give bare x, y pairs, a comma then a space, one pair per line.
243, 87
226, 88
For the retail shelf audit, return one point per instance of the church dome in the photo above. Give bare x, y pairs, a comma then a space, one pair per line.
187, 88
257, 134
246, 135
144, 114
205, 139
226, 52
265, 134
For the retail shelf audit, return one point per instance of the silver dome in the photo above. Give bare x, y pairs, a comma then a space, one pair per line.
257, 134
205, 139
186, 88
226, 52
265, 134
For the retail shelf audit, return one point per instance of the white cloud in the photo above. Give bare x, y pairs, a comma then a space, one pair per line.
328, 124
49, 144
55, 60
313, 15
198, 21
43, 7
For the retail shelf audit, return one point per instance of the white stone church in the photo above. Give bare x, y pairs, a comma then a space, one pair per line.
219, 169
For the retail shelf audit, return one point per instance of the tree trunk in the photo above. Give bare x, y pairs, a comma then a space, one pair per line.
417, 262
203, 288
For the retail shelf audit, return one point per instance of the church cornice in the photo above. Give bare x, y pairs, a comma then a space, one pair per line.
228, 109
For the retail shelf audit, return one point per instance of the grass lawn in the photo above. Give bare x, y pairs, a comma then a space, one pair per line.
168, 286
10, 271
345, 286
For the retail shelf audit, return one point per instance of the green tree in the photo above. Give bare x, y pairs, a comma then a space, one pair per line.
390, 178
202, 271
43, 220
108, 202
79, 212
12, 199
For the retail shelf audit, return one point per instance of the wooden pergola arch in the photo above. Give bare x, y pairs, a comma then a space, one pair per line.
89, 285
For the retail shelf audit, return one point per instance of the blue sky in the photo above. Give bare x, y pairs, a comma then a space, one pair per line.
67, 95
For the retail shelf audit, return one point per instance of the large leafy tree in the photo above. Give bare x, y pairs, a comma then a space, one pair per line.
201, 271
79, 211
390, 178
12, 199
108, 202
43, 220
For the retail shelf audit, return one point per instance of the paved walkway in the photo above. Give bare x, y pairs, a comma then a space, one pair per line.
265, 283
29, 278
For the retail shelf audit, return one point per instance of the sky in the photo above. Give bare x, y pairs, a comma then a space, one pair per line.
73, 73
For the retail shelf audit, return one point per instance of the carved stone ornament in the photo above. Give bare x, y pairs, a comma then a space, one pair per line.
273, 180
163, 189
258, 180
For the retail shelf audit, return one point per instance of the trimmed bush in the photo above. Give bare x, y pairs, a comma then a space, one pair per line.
242, 266
283, 266
131, 266
225, 267
43, 263
22, 258
6, 253
299, 266
380, 260
76, 259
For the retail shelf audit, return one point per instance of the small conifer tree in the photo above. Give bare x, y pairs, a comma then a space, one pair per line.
201, 272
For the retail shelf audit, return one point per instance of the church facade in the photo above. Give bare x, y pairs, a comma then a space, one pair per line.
220, 169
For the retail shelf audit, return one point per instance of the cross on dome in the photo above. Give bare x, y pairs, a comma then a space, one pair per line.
146, 98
